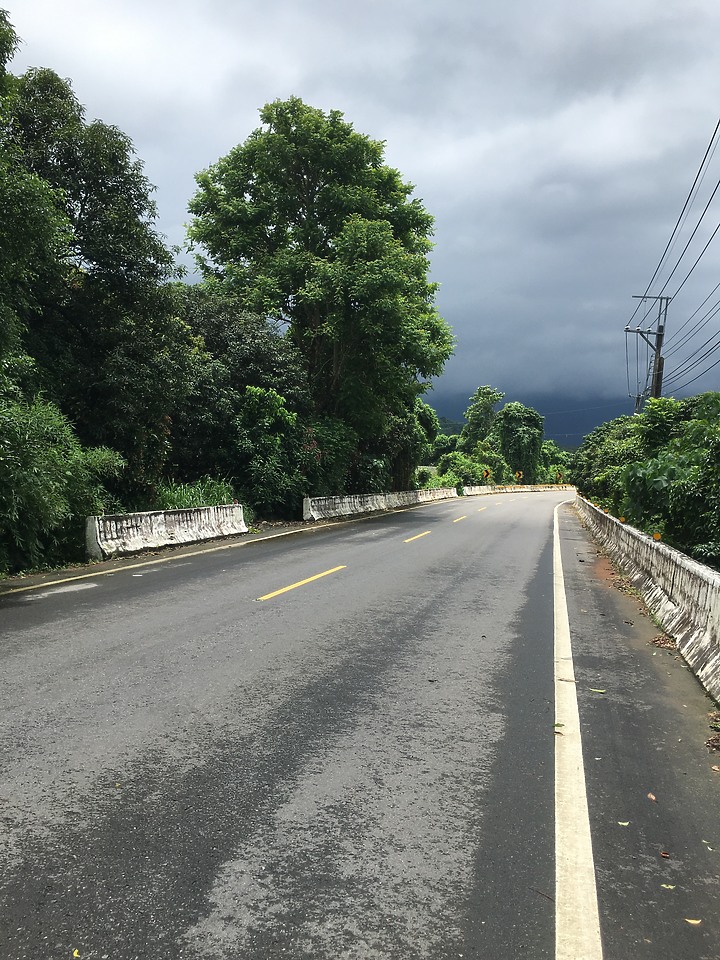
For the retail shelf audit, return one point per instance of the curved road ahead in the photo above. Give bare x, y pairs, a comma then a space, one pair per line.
197, 762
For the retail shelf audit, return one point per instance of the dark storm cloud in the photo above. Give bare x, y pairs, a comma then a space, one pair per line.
554, 143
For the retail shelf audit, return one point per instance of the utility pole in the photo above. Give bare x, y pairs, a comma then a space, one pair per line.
656, 346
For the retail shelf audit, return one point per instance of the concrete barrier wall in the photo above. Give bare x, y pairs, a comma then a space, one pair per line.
325, 508
126, 533
487, 489
683, 594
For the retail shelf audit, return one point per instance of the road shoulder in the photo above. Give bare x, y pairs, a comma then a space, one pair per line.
654, 799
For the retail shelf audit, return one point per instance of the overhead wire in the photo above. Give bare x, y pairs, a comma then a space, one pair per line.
682, 326
702, 322
709, 346
689, 200
701, 374
690, 364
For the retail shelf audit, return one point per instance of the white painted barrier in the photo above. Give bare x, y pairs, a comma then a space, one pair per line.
683, 594
325, 508
126, 533
487, 489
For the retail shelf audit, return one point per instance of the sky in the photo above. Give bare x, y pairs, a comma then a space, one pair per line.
555, 144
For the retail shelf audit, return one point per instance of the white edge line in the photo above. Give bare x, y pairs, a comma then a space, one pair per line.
577, 922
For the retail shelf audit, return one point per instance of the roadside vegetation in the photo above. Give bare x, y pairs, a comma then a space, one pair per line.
660, 470
297, 365
497, 446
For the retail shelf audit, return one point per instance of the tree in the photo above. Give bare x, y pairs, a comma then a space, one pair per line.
519, 432
443, 444
9, 42
661, 471
100, 328
479, 415
598, 464
554, 464
409, 443
309, 226
490, 459
235, 350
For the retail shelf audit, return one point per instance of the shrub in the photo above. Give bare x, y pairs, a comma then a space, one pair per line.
49, 483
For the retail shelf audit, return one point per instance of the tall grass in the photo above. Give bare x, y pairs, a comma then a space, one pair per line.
206, 492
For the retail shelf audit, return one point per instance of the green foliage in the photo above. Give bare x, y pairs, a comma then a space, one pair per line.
408, 443
487, 456
459, 466
518, 431
329, 449
443, 444
554, 464
423, 476
270, 450
33, 241
598, 463
309, 226
98, 324
236, 349
661, 470
480, 416
48, 484
9, 40
205, 492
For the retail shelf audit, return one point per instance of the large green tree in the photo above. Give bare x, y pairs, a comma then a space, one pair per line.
100, 327
479, 416
518, 432
306, 222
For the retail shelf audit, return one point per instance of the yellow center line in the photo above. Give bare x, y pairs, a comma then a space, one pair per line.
416, 537
481, 509
458, 519
301, 583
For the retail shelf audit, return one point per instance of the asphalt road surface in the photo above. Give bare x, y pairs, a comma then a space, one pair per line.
197, 762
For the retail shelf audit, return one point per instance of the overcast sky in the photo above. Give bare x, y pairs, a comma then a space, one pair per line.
554, 142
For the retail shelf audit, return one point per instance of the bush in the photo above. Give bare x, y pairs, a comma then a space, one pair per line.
49, 484
463, 467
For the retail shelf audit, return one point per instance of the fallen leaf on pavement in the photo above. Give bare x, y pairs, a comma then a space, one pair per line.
665, 854
651, 796
694, 922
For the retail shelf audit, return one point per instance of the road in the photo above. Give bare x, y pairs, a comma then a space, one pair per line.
197, 762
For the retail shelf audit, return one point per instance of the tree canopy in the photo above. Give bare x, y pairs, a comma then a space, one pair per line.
295, 367
309, 226
660, 470
479, 416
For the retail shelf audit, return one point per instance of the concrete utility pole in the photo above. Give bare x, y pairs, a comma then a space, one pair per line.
656, 346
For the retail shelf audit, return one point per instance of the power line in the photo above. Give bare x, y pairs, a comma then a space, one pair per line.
689, 200
702, 252
702, 374
683, 325
687, 366
702, 322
